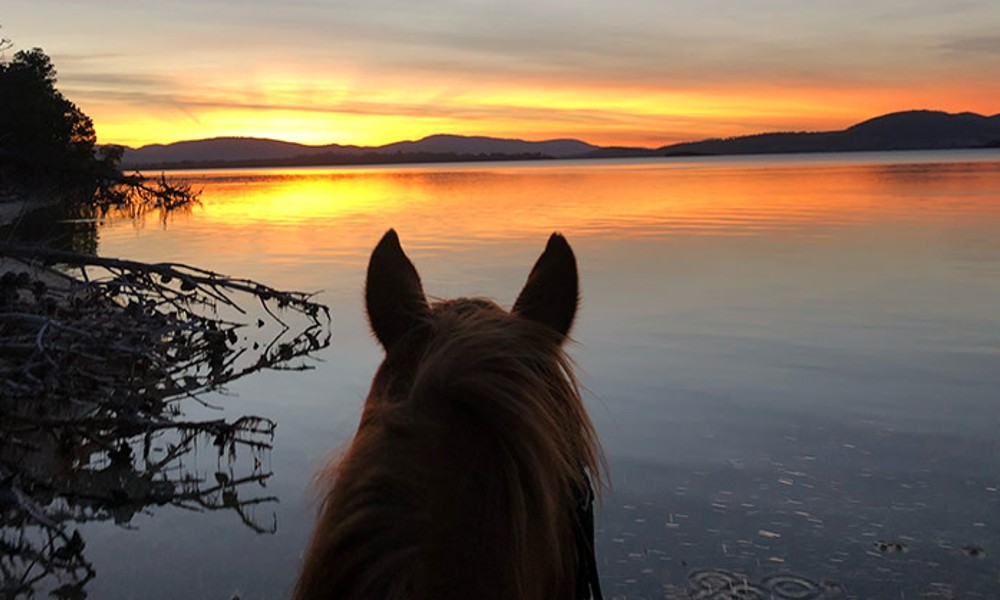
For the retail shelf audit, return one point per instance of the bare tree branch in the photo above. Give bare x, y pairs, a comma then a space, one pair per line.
100, 355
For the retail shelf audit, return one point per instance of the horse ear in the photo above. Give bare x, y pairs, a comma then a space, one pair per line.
552, 291
394, 296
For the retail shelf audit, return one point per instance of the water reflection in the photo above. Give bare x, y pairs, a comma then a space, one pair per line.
56, 226
102, 360
450, 205
51, 490
789, 360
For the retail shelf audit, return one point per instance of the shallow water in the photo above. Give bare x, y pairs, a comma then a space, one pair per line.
793, 362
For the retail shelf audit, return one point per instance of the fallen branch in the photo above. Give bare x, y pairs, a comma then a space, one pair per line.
99, 355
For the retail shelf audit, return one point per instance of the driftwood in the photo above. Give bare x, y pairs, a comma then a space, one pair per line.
98, 357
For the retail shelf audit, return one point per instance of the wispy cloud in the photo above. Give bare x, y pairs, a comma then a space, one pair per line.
980, 44
637, 65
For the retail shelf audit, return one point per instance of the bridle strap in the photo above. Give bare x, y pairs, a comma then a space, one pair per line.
588, 585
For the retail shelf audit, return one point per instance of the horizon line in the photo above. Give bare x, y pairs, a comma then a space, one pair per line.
539, 141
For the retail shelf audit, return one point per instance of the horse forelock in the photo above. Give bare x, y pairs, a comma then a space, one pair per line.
510, 371
473, 433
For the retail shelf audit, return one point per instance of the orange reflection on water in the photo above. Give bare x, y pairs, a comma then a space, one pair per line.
338, 211
294, 196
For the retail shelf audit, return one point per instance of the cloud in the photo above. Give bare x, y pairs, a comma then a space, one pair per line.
682, 44
593, 66
457, 111
976, 45
83, 79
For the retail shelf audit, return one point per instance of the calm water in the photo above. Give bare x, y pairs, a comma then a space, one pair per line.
790, 361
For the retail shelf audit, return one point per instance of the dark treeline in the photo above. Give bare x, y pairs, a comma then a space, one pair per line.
359, 159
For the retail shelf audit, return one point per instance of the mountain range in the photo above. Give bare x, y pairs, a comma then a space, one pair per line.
909, 130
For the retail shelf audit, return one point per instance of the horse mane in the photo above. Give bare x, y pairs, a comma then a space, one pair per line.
472, 444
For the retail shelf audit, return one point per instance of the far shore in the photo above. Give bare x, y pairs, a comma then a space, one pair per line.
686, 156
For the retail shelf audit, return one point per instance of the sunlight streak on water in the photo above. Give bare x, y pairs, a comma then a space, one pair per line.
335, 213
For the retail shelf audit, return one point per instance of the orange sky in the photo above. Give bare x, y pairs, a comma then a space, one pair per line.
639, 72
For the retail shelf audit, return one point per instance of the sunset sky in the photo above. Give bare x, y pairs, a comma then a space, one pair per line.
628, 72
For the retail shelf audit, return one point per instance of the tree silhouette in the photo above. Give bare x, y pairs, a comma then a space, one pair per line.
42, 134
98, 355
48, 146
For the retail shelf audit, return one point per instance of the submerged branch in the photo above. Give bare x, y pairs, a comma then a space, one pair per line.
99, 356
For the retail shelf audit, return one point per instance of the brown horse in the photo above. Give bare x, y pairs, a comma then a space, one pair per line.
468, 476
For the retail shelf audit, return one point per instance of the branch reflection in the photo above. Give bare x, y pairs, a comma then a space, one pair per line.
102, 359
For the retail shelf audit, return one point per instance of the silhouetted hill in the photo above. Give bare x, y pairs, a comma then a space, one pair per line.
225, 148
927, 129
456, 144
910, 130
257, 152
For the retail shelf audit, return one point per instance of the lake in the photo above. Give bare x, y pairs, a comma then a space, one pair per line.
793, 362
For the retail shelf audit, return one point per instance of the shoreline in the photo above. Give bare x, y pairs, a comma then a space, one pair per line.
880, 157
15, 206
210, 165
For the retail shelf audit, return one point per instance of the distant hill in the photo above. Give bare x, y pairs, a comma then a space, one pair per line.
256, 152
225, 148
456, 144
910, 130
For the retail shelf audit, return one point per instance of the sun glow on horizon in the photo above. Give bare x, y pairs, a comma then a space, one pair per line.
347, 105
650, 117
642, 73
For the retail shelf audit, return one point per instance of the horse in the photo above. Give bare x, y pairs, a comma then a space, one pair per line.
473, 468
